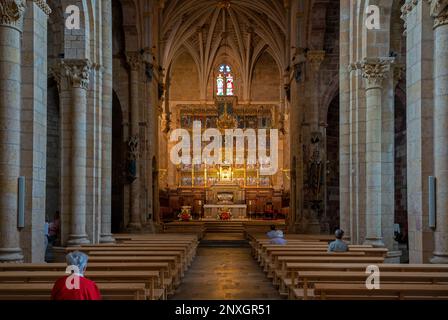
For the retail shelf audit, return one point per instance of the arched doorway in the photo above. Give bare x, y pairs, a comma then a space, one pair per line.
332, 174
118, 162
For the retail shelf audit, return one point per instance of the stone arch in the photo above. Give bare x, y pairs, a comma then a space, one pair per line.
331, 91
258, 66
376, 43
77, 42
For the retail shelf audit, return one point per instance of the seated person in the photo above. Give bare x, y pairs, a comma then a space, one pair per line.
338, 245
75, 286
276, 236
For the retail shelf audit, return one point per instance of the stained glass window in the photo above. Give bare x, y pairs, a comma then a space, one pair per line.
224, 81
220, 85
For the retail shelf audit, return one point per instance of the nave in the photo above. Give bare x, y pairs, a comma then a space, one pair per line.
223, 273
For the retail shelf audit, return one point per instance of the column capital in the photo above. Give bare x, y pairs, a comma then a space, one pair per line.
439, 11
134, 60
12, 12
375, 70
315, 58
405, 10
42, 4
77, 71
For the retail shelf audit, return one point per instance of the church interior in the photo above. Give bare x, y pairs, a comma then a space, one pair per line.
165, 139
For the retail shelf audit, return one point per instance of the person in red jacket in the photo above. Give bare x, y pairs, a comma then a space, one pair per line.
75, 286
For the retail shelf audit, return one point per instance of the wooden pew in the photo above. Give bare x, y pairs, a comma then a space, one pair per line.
280, 264
167, 281
308, 279
266, 257
186, 255
387, 291
292, 268
42, 291
180, 257
149, 278
268, 250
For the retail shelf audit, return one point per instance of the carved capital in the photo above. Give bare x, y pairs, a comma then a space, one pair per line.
375, 71
43, 6
406, 9
315, 58
77, 71
439, 11
134, 60
12, 12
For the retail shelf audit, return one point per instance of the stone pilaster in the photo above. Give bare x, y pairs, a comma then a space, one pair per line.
11, 21
106, 168
375, 71
439, 11
314, 60
313, 158
135, 63
78, 74
419, 132
344, 120
34, 128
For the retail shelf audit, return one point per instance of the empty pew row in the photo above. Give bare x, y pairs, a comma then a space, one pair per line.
150, 268
304, 270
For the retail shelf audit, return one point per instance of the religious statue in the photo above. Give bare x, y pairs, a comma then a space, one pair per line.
132, 158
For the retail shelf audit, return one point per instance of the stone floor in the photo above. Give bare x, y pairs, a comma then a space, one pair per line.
223, 274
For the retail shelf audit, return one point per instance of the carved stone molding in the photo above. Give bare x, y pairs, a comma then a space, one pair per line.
439, 11
12, 12
399, 72
406, 9
375, 70
77, 71
315, 58
43, 6
133, 143
134, 60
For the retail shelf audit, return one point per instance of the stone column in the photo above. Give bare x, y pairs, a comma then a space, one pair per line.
11, 21
313, 140
134, 61
106, 169
344, 120
314, 59
77, 72
439, 11
375, 71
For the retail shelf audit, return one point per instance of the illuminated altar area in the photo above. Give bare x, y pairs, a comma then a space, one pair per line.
204, 186
225, 195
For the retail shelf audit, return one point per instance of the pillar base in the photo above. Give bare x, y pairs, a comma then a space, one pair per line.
134, 227
375, 242
439, 258
76, 240
106, 238
11, 255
